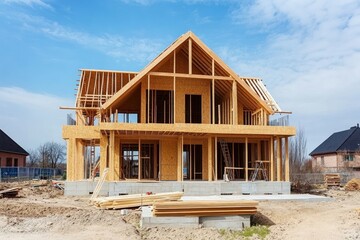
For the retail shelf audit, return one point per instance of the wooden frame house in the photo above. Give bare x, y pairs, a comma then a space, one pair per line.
185, 116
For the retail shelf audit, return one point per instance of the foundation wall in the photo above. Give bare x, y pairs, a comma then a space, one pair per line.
85, 188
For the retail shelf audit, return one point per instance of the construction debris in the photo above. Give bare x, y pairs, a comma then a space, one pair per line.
353, 185
10, 193
134, 200
205, 208
332, 180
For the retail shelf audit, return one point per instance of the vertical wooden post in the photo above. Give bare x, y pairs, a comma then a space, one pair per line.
139, 160
103, 153
70, 159
213, 91
278, 159
190, 56
287, 163
210, 159
111, 173
272, 158
281, 160
216, 167
234, 104
179, 160
148, 99
174, 85
246, 160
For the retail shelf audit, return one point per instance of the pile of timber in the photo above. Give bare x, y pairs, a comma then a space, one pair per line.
332, 180
205, 208
134, 200
353, 185
10, 193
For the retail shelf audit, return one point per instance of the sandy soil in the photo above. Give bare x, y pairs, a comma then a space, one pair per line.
43, 213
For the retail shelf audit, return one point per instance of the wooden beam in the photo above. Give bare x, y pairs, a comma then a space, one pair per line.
246, 160
193, 76
287, 162
185, 128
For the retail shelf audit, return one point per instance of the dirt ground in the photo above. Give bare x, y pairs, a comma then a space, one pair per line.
43, 212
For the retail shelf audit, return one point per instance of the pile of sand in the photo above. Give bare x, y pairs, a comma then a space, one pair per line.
353, 185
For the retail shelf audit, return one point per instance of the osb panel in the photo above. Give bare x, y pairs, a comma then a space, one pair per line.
168, 153
166, 65
192, 86
182, 63
161, 83
77, 131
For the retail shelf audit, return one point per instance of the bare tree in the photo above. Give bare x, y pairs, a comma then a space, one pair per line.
298, 151
33, 159
48, 155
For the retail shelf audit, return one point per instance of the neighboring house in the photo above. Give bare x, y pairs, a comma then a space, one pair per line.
340, 152
185, 116
11, 154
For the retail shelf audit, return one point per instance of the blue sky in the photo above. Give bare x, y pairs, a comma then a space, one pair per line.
307, 52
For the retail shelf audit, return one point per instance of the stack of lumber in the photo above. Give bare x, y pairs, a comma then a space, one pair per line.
11, 192
134, 200
353, 185
332, 180
205, 208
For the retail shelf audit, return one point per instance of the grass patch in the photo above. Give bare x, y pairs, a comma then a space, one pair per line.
260, 231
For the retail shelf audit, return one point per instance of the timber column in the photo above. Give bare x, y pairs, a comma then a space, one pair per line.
104, 144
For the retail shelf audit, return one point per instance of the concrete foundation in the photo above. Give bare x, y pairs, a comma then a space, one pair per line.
226, 222
193, 188
220, 222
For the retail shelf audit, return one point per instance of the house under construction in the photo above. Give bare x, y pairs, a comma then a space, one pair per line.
185, 121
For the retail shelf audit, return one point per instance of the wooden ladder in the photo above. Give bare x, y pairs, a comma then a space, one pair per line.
227, 157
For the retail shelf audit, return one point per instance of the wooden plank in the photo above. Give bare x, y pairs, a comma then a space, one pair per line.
134, 200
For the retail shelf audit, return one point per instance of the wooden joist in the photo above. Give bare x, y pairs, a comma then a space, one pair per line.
135, 200
205, 208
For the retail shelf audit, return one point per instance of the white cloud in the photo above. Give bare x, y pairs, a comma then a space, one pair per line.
309, 60
31, 3
117, 46
31, 119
